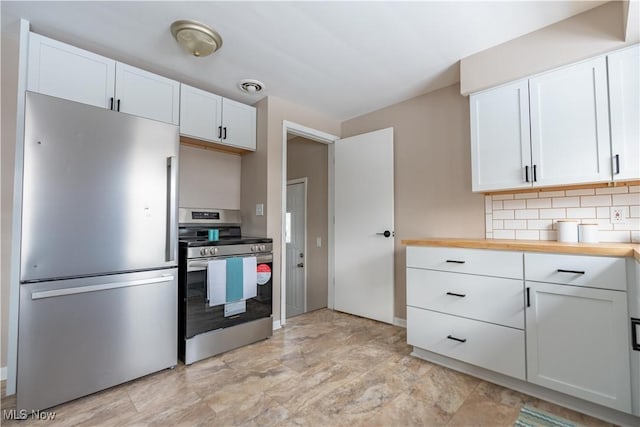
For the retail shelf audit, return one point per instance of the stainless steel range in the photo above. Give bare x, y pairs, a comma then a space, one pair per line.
225, 285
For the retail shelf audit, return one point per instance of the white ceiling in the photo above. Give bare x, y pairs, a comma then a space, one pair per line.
340, 58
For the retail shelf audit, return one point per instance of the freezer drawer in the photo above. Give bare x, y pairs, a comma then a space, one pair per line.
80, 336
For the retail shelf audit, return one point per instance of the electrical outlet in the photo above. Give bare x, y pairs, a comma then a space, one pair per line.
618, 215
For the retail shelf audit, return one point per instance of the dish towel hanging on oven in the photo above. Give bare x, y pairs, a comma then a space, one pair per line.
231, 279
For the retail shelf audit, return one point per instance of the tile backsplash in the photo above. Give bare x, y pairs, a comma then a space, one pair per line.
533, 216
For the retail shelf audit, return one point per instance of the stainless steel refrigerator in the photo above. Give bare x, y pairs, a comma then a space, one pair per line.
98, 277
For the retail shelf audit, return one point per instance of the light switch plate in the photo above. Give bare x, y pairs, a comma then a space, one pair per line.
318, 242
259, 209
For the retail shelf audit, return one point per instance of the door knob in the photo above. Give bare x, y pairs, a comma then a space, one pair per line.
300, 264
386, 233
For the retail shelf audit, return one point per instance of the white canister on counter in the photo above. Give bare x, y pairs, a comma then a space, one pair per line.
588, 233
567, 231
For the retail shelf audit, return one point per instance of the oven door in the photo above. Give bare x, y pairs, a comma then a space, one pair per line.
200, 317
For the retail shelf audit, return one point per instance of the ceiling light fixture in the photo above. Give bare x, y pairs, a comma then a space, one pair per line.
251, 86
195, 37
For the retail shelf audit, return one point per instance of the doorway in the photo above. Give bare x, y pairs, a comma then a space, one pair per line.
296, 241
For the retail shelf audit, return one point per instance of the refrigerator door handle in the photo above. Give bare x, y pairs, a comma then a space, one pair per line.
100, 287
172, 208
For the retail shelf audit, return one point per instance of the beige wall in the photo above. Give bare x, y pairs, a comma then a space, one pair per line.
309, 159
209, 178
9, 90
432, 168
262, 181
588, 34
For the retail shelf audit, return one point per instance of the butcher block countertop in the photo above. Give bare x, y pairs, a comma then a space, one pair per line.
604, 249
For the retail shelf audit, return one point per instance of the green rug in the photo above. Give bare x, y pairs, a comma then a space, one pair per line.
532, 417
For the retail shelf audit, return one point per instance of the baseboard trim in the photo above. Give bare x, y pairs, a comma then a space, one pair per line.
3, 373
400, 322
276, 325
592, 409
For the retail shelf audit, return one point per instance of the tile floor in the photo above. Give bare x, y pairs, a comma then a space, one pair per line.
323, 369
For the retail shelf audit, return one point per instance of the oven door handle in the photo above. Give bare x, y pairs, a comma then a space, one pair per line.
203, 264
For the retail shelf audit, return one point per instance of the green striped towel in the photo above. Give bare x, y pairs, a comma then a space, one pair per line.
532, 417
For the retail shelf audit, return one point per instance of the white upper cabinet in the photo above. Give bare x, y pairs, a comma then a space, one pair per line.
624, 100
570, 125
145, 94
210, 117
238, 124
64, 71
200, 114
500, 141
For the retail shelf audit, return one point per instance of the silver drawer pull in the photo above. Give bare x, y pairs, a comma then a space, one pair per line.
451, 337
456, 295
96, 288
560, 270
455, 261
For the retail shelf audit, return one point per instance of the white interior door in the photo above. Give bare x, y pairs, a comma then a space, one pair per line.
295, 228
363, 231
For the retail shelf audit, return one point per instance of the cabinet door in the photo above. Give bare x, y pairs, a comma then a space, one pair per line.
145, 94
200, 114
64, 71
570, 141
578, 342
500, 138
238, 124
624, 102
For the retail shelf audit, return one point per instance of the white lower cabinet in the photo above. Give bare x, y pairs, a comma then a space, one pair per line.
490, 346
577, 336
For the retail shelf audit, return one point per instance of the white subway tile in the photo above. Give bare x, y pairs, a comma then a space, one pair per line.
548, 235
503, 197
635, 236
634, 211
603, 212
488, 223
603, 200
488, 206
498, 224
553, 213
615, 236
539, 224
514, 204
488, 236
626, 199
497, 205
634, 189
544, 194
506, 214
527, 235
538, 203
515, 224
504, 234
581, 213
526, 214
629, 224
566, 202
612, 190
603, 224
580, 192
526, 196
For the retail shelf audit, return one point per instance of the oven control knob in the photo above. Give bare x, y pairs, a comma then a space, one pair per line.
213, 251
203, 251
263, 247
253, 248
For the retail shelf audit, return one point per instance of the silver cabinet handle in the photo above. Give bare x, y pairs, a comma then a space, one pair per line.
100, 287
172, 190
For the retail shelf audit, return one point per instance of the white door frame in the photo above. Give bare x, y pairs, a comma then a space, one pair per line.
304, 181
325, 138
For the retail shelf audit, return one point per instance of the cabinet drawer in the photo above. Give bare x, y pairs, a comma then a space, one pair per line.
489, 346
491, 299
577, 270
460, 260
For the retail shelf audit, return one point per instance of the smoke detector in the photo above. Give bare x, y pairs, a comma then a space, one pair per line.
251, 86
